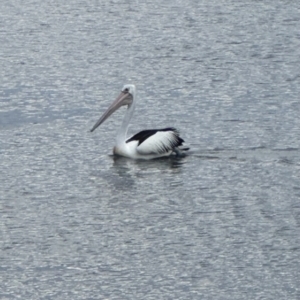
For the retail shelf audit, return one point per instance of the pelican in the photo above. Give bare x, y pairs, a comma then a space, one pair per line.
147, 144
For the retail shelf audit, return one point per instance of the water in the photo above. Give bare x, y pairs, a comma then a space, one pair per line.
221, 223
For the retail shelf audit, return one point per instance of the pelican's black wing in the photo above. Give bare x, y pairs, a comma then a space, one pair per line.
157, 140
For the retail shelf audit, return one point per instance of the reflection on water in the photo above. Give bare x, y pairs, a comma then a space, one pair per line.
124, 172
162, 163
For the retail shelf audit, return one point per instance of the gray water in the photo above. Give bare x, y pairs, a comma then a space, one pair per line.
220, 223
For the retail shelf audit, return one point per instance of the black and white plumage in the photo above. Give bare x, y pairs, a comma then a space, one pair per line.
157, 140
146, 144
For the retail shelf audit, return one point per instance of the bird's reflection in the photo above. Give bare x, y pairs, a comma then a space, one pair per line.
122, 164
125, 174
128, 170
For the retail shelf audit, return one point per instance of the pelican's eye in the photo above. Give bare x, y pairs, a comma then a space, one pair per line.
126, 90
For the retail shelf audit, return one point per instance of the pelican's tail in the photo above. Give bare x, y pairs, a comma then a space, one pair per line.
179, 150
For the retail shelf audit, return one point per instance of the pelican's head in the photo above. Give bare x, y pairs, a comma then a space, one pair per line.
125, 98
129, 88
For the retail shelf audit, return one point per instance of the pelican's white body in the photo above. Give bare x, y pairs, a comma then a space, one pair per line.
130, 150
149, 149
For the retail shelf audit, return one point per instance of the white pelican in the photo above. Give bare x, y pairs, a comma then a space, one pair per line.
146, 144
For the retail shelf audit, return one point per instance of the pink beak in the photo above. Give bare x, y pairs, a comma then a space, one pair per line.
113, 107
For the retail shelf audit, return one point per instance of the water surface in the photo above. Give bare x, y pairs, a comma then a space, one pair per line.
220, 223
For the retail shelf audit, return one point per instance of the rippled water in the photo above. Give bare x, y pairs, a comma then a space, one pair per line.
221, 223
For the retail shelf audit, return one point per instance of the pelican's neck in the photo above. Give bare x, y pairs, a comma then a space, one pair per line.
122, 132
